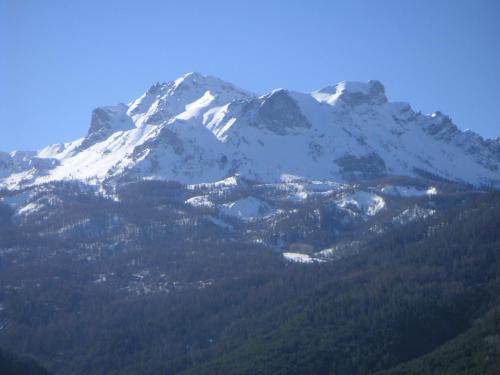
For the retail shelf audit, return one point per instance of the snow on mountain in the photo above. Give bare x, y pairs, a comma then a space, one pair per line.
364, 202
247, 208
298, 258
199, 129
410, 214
352, 93
200, 201
407, 191
186, 97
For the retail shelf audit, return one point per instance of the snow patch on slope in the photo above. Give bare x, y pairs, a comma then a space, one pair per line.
412, 214
408, 191
298, 258
200, 201
367, 203
247, 208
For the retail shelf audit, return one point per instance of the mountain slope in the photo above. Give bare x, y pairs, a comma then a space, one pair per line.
475, 352
201, 129
11, 364
161, 278
412, 291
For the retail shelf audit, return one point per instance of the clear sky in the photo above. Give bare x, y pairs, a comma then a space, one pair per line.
61, 59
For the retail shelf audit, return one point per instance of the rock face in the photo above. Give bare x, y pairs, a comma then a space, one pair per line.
106, 121
199, 129
278, 113
353, 93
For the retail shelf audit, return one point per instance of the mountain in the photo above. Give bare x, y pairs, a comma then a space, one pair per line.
200, 129
203, 229
235, 278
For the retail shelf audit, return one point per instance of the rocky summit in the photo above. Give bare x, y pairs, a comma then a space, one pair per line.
201, 129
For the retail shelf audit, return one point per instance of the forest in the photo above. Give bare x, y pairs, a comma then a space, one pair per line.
421, 298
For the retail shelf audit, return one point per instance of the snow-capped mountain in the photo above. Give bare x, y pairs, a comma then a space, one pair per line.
199, 129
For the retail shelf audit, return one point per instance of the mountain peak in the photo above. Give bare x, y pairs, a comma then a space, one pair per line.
164, 101
198, 129
372, 87
186, 80
190, 77
110, 118
200, 82
353, 93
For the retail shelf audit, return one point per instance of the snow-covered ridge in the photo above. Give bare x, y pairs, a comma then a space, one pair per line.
199, 129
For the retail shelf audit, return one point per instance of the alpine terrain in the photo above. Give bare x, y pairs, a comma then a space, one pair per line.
200, 129
204, 229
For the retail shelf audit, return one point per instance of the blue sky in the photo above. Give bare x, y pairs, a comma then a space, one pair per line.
61, 59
